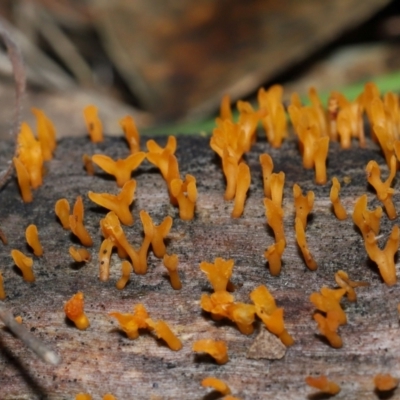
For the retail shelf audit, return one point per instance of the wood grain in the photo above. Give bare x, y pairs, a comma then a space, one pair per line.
102, 359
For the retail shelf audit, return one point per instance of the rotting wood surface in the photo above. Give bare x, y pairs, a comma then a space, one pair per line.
102, 360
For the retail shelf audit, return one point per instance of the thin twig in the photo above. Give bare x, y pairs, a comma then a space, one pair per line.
36, 345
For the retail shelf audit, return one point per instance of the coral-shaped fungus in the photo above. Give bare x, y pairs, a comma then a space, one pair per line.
274, 214
342, 279
270, 314
328, 302
160, 232
93, 123
30, 154
383, 190
73, 309
323, 384
385, 382
277, 181
216, 384
122, 168
163, 331
32, 237
23, 181
126, 269
88, 164
217, 349
274, 257
338, 208
185, 193
218, 273
302, 243
118, 203
242, 186
131, 133
274, 119
148, 228
76, 223
25, 264
368, 223
267, 166
114, 236
131, 323
62, 210
46, 134
303, 204
2, 291
83, 396
171, 263
79, 255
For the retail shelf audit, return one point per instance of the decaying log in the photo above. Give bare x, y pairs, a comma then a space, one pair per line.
102, 360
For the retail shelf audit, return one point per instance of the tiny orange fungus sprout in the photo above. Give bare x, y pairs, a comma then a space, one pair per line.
131, 133
343, 280
126, 269
216, 384
270, 314
267, 167
32, 237
122, 168
73, 309
328, 302
171, 263
217, 304
218, 273
384, 259
338, 208
131, 323
119, 203
154, 148
274, 257
30, 155
83, 396
277, 182
93, 123
148, 228
323, 384
385, 382
185, 193
112, 229
88, 164
243, 315
364, 219
109, 396
79, 255
230, 168
225, 111
62, 210
303, 204
25, 264
76, 223
242, 186
383, 190
320, 156
274, 118
23, 180
274, 216
105, 251
302, 243
160, 233
46, 134
217, 349
2, 291
163, 331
